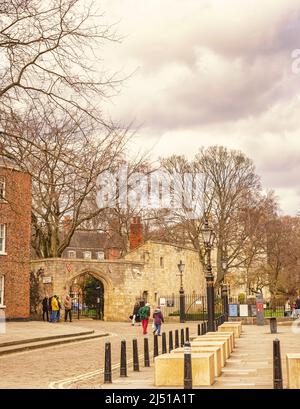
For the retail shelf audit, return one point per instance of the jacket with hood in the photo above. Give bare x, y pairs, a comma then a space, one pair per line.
158, 317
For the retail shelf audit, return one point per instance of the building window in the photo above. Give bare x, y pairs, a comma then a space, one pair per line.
161, 262
1, 290
100, 255
87, 255
2, 238
2, 188
71, 254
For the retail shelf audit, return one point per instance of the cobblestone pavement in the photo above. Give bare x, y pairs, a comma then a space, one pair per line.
74, 365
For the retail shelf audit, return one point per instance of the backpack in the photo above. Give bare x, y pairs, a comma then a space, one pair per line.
143, 312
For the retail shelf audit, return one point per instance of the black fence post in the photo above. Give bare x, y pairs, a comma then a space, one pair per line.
136, 366
199, 329
171, 341
123, 363
146, 353
187, 334
107, 364
202, 329
155, 347
188, 382
164, 343
277, 370
176, 339
273, 325
182, 338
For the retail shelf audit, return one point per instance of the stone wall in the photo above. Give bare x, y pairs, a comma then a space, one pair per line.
126, 280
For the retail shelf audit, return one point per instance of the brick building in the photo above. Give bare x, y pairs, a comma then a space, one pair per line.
15, 234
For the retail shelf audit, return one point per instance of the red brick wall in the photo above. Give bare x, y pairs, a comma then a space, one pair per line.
15, 266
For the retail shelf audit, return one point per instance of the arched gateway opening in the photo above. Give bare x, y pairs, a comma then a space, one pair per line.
87, 293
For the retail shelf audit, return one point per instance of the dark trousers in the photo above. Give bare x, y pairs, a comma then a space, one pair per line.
68, 312
45, 312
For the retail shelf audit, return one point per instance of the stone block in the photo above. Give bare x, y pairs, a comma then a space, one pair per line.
169, 369
203, 349
208, 343
293, 370
220, 335
225, 340
230, 334
232, 327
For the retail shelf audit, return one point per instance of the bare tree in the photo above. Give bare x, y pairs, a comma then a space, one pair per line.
229, 189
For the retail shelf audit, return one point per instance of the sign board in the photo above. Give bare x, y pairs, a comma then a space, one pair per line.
47, 280
198, 302
244, 310
253, 310
233, 310
162, 302
260, 310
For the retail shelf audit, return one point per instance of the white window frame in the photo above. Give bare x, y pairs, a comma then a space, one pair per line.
73, 252
2, 277
87, 252
102, 255
3, 250
3, 183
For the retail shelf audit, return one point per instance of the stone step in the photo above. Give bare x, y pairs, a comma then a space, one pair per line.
48, 343
47, 338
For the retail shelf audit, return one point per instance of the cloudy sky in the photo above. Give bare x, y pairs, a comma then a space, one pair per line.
213, 72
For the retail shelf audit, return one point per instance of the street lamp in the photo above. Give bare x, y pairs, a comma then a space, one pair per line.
208, 238
224, 289
181, 266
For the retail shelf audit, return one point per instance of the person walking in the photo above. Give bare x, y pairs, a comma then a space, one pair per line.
144, 313
45, 304
287, 308
68, 308
158, 319
54, 308
135, 314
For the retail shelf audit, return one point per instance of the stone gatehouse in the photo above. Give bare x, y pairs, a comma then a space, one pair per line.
148, 272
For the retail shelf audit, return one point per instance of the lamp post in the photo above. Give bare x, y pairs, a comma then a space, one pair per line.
208, 238
181, 293
224, 290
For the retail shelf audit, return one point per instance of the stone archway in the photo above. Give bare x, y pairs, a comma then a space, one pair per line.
88, 292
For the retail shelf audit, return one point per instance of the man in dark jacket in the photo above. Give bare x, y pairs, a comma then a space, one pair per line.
158, 319
45, 309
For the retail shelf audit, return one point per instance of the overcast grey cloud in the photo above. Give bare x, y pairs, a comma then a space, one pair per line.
213, 72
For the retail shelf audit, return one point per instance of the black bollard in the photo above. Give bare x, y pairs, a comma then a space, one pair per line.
107, 364
176, 339
202, 329
136, 366
155, 346
277, 370
205, 328
273, 325
182, 338
187, 334
146, 353
199, 329
170, 341
188, 382
164, 343
123, 360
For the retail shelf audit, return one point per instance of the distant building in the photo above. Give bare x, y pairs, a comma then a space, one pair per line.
15, 235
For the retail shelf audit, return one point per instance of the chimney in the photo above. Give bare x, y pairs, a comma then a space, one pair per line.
136, 236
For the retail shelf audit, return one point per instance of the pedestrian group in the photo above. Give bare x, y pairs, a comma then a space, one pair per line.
52, 309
